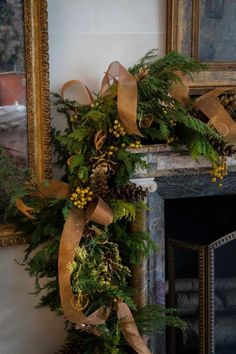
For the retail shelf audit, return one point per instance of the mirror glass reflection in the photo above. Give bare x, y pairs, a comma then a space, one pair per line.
13, 119
13, 124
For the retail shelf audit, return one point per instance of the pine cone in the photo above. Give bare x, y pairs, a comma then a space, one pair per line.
99, 177
98, 183
130, 192
222, 147
228, 101
195, 112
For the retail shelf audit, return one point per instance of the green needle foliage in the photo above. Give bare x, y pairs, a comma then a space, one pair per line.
94, 151
12, 180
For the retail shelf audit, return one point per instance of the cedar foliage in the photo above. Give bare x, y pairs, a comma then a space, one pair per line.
100, 271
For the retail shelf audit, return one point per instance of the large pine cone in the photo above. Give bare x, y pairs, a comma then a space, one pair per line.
130, 192
222, 147
228, 101
99, 183
99, 178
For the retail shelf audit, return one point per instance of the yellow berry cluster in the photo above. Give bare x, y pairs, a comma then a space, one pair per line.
105, 282
136, 145
111, 150
117, 130
170, 140
219, 171
81, 197
173, 122
73, 117
164, 111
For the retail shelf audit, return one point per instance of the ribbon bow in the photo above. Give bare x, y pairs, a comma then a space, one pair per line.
126, 91
98, 212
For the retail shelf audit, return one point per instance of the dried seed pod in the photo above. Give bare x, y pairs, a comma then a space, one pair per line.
99, 139
146, 121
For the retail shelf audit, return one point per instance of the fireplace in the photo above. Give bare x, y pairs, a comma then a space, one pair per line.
201, 273
180, 179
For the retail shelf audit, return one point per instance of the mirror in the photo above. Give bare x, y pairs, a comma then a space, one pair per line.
24, 93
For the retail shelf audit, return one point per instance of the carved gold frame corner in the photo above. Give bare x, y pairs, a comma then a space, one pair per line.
10, 237
37, 102
218, 74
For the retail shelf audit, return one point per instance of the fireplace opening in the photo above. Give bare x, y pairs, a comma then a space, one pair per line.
201, 273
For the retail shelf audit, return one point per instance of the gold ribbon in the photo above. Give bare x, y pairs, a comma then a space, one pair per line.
180, 90
98, 211
80, 85
126, 94
210, 106
218, 116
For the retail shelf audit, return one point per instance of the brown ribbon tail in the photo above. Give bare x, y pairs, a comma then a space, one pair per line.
80, 87
70, 239
98, 211
53, 189
214, 93
24, 209
126, 96
130, 330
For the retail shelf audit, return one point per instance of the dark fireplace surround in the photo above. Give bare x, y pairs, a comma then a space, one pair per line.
174, 176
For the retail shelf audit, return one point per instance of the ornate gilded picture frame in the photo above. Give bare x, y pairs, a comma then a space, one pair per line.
204, 30
35, 78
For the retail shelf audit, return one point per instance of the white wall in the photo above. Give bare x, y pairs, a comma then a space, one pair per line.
85, 36
23, 328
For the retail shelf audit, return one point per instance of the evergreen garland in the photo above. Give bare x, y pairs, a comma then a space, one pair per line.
94, 143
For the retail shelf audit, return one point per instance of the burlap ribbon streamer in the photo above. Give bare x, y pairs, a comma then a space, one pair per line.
126, 85
210, 106
99, 212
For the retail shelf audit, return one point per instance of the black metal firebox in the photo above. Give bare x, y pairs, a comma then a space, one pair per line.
202, 286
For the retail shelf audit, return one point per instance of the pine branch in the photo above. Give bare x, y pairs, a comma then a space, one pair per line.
152, 319
123, 209
195, 125
150, 56
166, 67
201, 146
128, 163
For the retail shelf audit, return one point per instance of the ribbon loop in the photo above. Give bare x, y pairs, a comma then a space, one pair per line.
99, 212
126, 95
88, 96
130, 330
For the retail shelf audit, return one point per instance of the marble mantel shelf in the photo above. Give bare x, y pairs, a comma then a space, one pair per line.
165, 161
